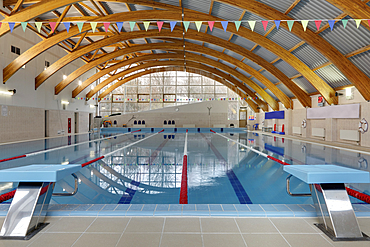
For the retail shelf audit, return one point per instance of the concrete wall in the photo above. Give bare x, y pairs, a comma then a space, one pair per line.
195, 113
27, 107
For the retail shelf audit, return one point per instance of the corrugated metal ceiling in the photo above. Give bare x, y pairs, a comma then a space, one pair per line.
252, 64
285, 90
242, 42
261, 85
286, 68
279, 5
269, 76
198, 5
243, 72
265, 54
310, 56
226, 12
284, 38
332, 76
362, 61
304, 84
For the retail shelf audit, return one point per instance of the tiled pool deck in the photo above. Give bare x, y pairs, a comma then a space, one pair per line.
221, 210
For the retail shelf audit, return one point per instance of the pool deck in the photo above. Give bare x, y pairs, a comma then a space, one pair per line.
213, 210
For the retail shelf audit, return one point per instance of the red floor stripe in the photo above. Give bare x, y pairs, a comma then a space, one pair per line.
184, 181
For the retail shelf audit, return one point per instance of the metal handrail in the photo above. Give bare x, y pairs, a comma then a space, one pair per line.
288, 188
72, 193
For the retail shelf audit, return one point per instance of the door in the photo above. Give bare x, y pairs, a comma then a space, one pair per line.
242, 117
77, 129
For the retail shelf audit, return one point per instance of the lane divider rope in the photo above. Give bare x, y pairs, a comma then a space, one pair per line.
356, 194
10, 194
184, 176
67, 146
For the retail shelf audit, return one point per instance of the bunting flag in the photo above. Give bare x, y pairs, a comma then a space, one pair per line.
159, 24
11, 26
0, 23
23, 24
211, 24
38, 25
146, 25
172, 24
265, 23
237, 25
119, 26
368, 22
358, 22
318, 24
80, 25
52, 25
67, 25
198, 24
277, 24
132, 25
224, 25
344, 22
106, 26
93, 26
304, 24
331, 24
252, 24
186, 25
290, 25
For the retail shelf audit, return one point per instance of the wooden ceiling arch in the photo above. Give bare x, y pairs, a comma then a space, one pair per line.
143, 58
165, 46
189, 46
212, 76
318, 83
191, 66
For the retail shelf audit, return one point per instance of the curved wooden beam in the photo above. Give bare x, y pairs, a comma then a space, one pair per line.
356, 8
317, 82
194, 68
165, 46
189, 46
253, 105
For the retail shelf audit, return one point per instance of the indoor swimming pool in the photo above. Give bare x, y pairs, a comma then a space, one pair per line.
221, 168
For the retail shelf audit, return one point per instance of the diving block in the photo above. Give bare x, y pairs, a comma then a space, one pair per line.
29, 206
333, 206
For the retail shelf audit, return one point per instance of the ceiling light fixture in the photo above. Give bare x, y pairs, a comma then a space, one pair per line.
65, 102
79, 82
64, 77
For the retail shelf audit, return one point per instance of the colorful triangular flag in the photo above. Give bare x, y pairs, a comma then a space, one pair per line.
52, 25
186, 25
106, 26
119, 26
198, 24
0, 23
23, 24
237, 25
277, 24
132, 25
265, 23
331, 24
80, 25
224, 25
318, 24
172, 24
146, 25
93, 26
11, 26
358, 22
38, 25
252, 24
368, 22
290, 25
344, 22
67, 25
304, 24
211, 24
159, 24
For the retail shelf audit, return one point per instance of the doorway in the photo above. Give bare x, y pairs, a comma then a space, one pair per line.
77, 115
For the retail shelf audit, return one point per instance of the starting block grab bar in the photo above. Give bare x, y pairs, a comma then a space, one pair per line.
72, 193
292, 194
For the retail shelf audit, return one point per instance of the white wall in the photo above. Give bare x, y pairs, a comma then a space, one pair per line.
43, 98
194, 113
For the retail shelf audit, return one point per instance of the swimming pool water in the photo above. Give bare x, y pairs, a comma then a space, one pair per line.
219, 170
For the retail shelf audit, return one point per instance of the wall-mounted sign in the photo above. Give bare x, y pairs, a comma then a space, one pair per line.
251, 117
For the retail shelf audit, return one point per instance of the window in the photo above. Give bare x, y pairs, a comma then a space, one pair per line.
15, 50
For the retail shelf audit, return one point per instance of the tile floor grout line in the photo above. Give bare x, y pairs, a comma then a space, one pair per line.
201, 230
123, 231
279, 231
164, 223
320, 232
240, 233
96, 217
